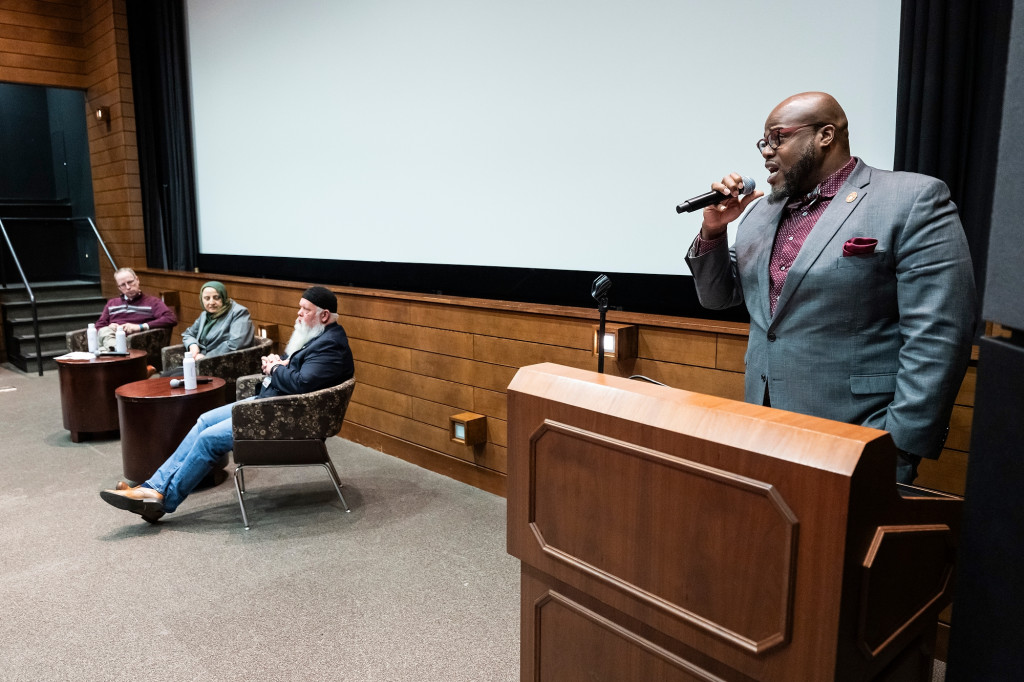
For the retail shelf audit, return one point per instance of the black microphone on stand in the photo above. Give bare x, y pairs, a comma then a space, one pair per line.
599, 290
711, 198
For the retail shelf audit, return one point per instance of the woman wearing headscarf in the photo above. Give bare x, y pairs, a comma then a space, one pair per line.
223, 326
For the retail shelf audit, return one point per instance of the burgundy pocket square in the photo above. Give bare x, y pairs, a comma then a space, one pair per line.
859, 246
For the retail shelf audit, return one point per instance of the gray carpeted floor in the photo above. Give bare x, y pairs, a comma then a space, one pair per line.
413, 584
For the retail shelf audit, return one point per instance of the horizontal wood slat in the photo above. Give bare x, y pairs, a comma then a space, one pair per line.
488, 455
425, 360
458, 370
502, 324
444, 341
948, 472
460, 470
425, 411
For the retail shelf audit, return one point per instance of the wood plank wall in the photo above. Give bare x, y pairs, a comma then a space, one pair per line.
83, 44
421, 359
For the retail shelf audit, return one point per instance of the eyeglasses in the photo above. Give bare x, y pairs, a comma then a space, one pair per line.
125, 285
774, 137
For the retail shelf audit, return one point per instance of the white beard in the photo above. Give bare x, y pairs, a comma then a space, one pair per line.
303, 335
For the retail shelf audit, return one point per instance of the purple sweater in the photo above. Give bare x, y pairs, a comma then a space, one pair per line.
143, 308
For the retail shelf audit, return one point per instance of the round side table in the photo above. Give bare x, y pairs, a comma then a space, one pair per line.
87, 388
155, 418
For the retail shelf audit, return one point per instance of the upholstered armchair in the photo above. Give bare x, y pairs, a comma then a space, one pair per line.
286, 431
150, 341
227, 366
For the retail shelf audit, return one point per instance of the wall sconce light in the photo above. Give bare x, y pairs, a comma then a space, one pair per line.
468, 428
103, 115
620, 341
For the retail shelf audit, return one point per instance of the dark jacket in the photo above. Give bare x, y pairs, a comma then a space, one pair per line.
323, 362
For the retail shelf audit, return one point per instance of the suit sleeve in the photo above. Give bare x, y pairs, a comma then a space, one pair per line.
937, 318
313, 368
715, 275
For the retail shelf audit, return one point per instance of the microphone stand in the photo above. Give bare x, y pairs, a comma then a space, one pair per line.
599, 290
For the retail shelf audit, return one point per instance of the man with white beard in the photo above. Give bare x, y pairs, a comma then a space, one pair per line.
317, 356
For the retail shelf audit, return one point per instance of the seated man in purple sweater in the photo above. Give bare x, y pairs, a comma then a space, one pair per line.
132, 311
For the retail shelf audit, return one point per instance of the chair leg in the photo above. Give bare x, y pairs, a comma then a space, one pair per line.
239, 487
329, 465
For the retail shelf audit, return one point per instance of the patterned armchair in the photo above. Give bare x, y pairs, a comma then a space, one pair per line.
228, 366
150, 341
286, 431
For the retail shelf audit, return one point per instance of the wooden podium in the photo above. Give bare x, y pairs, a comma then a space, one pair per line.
667, 535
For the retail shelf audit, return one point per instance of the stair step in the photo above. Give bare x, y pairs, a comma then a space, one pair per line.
23, 309
89, 315
55, 323
61, 306
27, 363
26, 344
41, 208
15, 293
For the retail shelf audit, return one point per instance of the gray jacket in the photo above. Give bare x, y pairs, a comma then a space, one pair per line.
230, 332
881, 339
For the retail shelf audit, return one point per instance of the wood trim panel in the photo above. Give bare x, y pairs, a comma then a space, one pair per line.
484, 479
487, 456
568, 640
571, 463
427, 359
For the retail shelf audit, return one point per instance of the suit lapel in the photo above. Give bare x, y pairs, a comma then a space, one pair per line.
764, 244
824, 230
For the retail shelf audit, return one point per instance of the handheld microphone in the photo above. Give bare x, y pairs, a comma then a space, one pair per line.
180, 383
711, 198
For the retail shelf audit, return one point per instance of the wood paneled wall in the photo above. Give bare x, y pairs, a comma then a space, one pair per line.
83, 44
41, 43
419, 359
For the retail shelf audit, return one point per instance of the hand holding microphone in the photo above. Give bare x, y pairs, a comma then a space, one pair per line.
727, 200
731, 185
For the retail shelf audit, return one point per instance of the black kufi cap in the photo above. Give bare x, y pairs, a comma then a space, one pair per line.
321, 297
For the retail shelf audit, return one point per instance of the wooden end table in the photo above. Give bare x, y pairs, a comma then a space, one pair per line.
87, 388
155, 418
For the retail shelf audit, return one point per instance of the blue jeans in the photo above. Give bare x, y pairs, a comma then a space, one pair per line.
195, 457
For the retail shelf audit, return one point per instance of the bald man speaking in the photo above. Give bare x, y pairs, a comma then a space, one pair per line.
858, 283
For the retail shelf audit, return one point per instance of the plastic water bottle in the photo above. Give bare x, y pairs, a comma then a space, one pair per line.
93, 338
120, 342
189, 367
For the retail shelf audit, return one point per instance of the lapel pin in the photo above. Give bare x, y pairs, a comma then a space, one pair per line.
850, 197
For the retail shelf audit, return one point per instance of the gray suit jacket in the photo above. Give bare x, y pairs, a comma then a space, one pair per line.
881, 340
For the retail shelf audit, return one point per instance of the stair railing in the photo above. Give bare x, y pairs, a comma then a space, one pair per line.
31, 296
100, 240
28, 289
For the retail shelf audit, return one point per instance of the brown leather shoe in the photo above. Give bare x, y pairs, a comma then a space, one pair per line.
146, 502
121, 485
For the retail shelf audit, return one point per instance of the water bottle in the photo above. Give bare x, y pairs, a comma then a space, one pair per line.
93, 338
189, 367
120, 342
